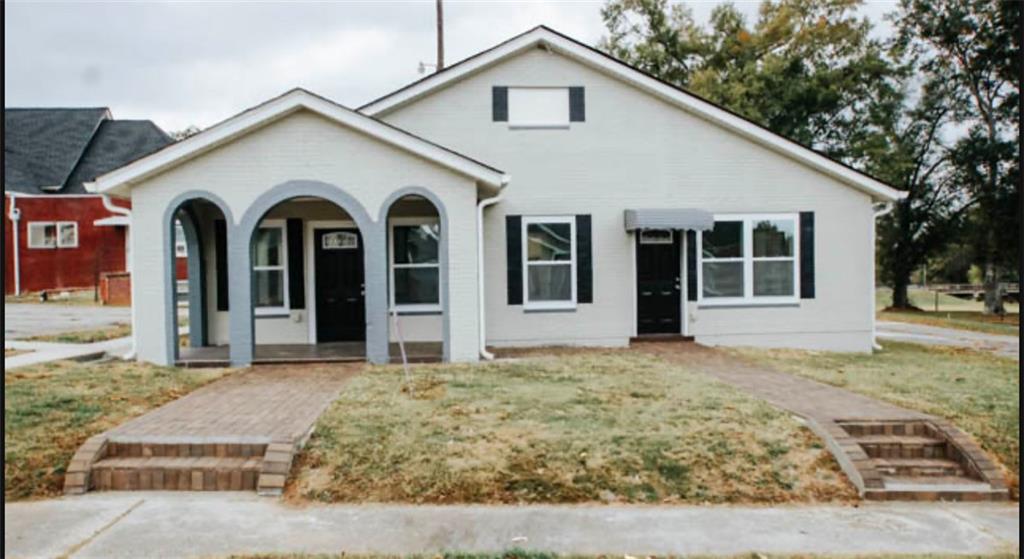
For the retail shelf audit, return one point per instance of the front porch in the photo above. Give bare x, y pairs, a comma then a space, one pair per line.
328, 352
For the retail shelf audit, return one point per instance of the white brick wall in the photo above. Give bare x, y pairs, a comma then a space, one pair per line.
301, 146
637, 151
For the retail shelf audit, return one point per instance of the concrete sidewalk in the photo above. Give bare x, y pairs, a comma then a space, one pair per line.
169, 524
44, 352
1006, 346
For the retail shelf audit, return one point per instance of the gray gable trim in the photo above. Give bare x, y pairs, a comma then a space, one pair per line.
242, 327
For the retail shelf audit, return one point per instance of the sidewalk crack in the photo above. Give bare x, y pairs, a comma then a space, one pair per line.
78, 546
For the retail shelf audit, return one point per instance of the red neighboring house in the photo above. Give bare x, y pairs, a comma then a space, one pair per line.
66, 237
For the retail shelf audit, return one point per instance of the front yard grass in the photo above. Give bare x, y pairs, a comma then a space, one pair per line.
86, 336
977, 391
975, 321
597, 426
50, 409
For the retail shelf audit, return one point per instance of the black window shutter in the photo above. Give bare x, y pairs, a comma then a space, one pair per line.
514, 253
296, 272
220, 240
584, 261
691, 265
577, 107
807, 255
499, 103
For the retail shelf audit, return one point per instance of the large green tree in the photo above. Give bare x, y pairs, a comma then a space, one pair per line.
907, 151
975, 46
806, 69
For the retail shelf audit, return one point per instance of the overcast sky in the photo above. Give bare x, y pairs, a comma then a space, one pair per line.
181, 64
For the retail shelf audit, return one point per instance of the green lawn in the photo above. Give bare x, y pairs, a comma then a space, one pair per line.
953, 312
86, 336
976, 391
598, 426
50, 409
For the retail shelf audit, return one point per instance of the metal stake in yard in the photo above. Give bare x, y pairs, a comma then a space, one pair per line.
401, 348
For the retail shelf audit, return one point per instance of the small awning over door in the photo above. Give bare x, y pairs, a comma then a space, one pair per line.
670, 218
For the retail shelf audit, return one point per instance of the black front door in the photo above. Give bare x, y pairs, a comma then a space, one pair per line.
340, 307
658, 282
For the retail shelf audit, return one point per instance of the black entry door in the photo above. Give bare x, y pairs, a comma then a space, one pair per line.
658, 282
340, 307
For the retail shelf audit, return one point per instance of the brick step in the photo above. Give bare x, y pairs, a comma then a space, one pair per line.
936, 488
128, 449
899, 428
201, 473
919, 468
903, 446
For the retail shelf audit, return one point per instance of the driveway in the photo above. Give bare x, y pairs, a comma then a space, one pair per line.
24, 320
155, 524
1006, 346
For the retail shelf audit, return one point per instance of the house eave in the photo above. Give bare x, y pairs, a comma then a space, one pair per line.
226, 131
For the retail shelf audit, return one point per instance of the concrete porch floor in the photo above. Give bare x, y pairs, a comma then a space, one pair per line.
330, 352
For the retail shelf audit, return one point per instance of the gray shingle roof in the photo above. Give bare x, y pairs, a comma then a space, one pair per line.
116, 143
66, 147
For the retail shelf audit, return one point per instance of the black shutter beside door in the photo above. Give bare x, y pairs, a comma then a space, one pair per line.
296, 273
807, 255
584, 261
514, 256
691, 265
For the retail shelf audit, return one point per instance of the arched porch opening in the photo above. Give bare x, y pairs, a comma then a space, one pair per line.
310, 265
196, 298
417, 281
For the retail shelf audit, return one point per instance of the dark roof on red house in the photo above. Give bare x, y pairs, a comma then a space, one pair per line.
55, 151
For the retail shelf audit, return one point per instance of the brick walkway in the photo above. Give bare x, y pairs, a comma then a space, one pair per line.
799, 395
866, 436
258, 406
238, 433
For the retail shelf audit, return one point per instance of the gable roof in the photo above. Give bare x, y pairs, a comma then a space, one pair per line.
279, 107
610, 65
42, 146
55, 151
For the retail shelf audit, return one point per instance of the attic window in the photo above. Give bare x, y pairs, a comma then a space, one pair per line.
538, 107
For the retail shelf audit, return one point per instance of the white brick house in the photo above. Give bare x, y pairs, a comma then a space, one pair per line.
537, 193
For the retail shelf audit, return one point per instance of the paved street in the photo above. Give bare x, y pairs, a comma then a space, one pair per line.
23, 320
1007, 346
168, 524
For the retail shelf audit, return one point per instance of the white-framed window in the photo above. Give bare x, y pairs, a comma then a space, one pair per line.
180, 244
269, 266
53, 234
415, 265
538, 107
549, 262
750, 259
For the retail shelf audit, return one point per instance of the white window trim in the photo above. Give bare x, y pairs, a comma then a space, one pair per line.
263, 311
37, 224
548, 305
392, 265
748, 259
73, 224
539, 125
56, 234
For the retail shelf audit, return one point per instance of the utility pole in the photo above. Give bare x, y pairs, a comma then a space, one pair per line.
440, 36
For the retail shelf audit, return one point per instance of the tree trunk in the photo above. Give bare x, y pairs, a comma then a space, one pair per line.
993, 293
900, 284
